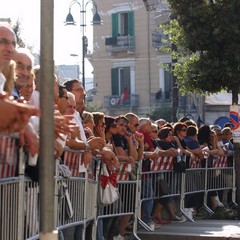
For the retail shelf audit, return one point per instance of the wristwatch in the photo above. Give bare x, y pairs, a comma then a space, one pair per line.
86, 145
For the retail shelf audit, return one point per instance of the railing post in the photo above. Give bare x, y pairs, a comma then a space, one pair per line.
21, 197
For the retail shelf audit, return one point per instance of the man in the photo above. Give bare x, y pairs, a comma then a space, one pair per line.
95, 143
75, 87
7, 49
145, 127
27, 90
18, 114
125, 151
24, 63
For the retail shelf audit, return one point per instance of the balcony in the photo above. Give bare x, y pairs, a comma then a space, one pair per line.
114, 101
120, 44
161, 97
159, 39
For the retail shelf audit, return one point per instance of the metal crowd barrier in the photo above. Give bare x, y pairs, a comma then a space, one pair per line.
193, 182
220, 177
161, 169
126, 205
77, 197
198, 178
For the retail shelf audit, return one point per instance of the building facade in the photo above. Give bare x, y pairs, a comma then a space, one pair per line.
127, 63
126, 59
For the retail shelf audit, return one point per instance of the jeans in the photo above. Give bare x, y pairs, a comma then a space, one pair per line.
147, 205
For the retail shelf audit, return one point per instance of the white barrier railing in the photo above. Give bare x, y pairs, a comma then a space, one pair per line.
19, 205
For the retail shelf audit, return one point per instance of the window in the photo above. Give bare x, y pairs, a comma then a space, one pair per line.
120, 80
123, 24
168, 83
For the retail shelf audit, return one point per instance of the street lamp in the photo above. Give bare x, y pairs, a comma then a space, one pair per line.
96, 21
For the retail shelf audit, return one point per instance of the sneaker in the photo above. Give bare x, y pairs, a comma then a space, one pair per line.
119, 237
178, 219
161, 221
153, 225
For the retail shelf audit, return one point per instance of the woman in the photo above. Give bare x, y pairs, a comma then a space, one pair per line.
9, 74
99, 128
180, 132
166, 141
227, 141
88, 123
208, 142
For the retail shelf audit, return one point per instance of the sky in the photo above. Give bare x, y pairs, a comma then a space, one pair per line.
67, 39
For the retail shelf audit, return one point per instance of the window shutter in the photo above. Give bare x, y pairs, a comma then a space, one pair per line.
114, 24
131, 23
114, 79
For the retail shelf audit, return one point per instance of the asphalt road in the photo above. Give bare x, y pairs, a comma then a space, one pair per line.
200, 229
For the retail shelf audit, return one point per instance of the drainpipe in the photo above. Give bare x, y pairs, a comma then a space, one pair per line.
149, 62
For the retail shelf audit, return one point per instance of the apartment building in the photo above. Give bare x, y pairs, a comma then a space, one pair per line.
126, 59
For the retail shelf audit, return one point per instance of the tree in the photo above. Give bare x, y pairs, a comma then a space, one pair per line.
17, 30
207, 33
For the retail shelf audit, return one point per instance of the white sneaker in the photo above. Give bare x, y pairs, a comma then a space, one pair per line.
177, 219
119, 237
153, 225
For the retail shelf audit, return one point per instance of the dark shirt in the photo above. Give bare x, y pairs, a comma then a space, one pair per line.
191, 143
120, 141
166, 145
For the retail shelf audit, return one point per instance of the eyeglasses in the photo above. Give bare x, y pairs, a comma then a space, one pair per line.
184, 130
219, 134
6, 42
66, 97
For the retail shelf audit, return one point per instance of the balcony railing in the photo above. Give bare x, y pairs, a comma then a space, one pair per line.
160, 97
159, 39
114, 101
120, 44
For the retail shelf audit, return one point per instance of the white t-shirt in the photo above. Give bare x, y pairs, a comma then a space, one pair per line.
78, 121
2, 82
34, 100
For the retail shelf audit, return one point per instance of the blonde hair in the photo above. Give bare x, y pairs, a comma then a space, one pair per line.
9, 73
87, 117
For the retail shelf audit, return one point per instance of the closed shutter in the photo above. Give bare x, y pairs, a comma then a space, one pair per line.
114, 24
114, 80
131, 23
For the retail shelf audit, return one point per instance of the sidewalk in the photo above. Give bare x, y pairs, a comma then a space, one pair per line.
201, 229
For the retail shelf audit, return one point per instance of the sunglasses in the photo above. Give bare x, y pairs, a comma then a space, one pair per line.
184, 130
136, 125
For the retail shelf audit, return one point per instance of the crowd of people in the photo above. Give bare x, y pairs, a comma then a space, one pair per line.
125, 138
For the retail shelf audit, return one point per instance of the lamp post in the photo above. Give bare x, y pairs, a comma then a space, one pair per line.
77, 65
70, 21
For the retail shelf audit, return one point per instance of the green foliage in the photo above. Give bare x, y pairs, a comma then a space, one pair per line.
17, 30
206, 34
164, 112
90, 107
